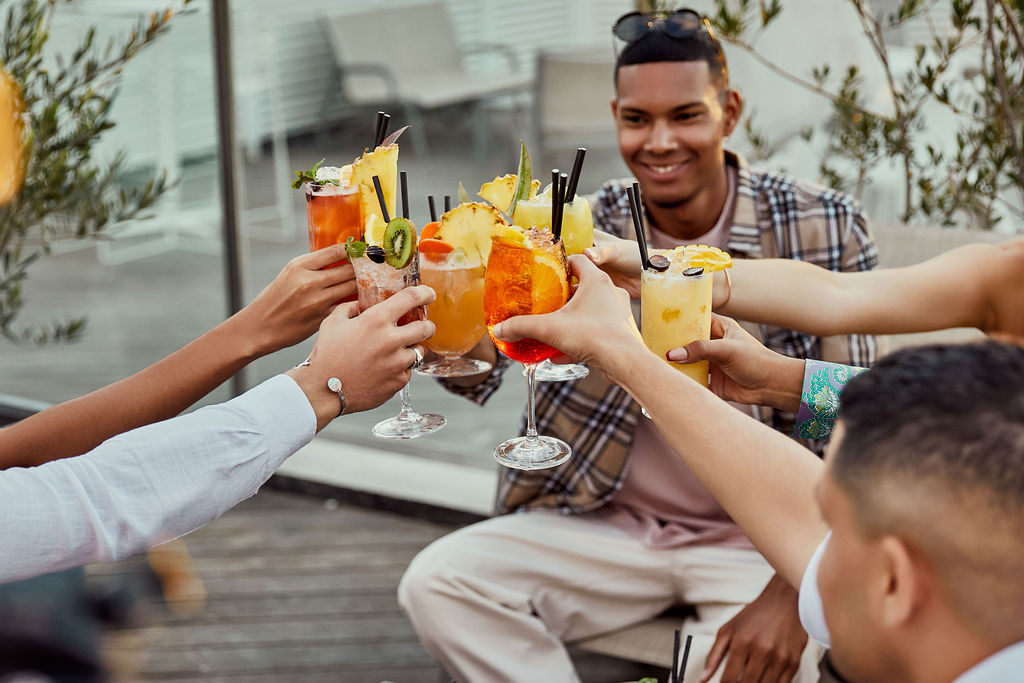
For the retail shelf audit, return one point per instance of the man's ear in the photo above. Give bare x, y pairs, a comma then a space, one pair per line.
615, 108
902, 586
732, 109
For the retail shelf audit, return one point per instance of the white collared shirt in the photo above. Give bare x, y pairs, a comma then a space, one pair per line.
1001, 667
149, 485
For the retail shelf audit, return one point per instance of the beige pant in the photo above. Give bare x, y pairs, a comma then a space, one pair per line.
495, 601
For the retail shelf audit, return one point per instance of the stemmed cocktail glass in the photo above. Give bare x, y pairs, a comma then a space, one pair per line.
526, 274
457, 312
577, 233
381, 274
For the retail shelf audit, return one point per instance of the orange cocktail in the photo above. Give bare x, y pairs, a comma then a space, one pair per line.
333, 214
526, 275
524, 278
457, 312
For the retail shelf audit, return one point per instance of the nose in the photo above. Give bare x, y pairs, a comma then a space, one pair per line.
661, 138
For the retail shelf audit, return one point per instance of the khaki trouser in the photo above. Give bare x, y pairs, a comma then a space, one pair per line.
495, 601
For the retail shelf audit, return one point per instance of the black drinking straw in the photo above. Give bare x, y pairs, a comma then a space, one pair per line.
674, 674
686, 655
554, 197
447, 203
383, 131
574, 176
380, 199
404, 182
562, 185
376, 131
634, 208
433, 209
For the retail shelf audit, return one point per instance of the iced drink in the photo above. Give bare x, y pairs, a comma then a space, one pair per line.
333, 214
675, 310
458, 310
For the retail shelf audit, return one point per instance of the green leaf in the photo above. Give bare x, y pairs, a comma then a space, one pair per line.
354, 248
524, 177
309, 176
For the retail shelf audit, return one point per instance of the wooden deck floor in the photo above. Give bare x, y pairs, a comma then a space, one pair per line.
298, 589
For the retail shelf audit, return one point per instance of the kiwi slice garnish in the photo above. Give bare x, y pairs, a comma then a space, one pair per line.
399, 243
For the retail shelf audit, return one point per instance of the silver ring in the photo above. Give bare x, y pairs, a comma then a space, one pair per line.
419, 358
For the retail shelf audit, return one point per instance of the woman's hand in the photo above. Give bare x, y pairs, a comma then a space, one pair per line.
291, 308
370, 353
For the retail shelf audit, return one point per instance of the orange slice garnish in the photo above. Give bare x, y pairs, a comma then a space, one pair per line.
549, 284
429, 230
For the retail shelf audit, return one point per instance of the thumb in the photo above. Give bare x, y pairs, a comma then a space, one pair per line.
717, 351
520, 327
346, 310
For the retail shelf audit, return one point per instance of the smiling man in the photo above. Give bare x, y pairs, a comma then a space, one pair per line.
625, 529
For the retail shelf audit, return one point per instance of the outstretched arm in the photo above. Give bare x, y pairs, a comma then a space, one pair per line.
762, 479
163, 480
949, 290
963, 287
285, 313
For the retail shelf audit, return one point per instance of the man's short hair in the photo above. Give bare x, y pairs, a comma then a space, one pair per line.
658, 46
933, 451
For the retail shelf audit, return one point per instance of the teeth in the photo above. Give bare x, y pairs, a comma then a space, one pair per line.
664, 169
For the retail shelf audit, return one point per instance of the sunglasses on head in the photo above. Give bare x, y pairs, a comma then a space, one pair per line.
680, 23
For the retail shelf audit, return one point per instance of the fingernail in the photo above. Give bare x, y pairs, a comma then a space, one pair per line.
677, 355
496, 330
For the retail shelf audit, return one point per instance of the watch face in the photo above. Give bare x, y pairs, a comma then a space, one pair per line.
334, 384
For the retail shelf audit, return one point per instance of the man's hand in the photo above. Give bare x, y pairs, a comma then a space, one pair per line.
596, 326
371, 354
619, 259
291, 307
764, 642
743, 369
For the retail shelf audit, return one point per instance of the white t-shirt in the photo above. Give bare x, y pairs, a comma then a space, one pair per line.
148, 485
1002, 667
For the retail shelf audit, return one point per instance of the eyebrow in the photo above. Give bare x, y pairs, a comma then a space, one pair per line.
689, 105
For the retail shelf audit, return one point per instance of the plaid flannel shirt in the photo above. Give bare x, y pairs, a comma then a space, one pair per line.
774, 217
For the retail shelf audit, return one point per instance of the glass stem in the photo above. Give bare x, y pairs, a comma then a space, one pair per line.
531, 418
407, 410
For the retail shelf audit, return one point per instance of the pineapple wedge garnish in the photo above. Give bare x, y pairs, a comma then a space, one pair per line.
469, 227
382, 162
499, 191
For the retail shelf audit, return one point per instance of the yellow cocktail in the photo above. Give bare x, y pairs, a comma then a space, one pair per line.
676, 310
577, 222
675, 304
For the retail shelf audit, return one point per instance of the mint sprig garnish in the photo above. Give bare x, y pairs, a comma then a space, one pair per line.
303, 177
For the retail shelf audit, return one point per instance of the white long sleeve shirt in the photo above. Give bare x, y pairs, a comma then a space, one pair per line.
148, 485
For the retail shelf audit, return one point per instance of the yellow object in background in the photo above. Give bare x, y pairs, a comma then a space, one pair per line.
12, 139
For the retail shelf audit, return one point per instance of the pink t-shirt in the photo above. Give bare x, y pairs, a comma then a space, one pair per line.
662, 502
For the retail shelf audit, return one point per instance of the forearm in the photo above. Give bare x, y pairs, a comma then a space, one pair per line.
148, 485
785, 293
156, 393
761, 478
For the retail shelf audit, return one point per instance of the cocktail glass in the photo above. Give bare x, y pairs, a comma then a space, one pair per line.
577, 235
333, 215
675, 310
526, 278
375, 282
457, 313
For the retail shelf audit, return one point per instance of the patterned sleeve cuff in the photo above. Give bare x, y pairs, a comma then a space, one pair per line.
819, 399
479, 393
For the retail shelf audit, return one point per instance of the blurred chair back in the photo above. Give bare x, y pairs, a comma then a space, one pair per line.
573, 94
